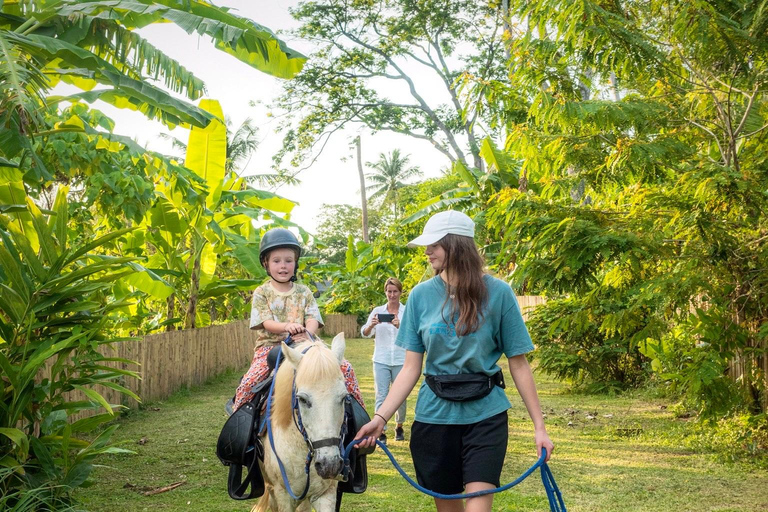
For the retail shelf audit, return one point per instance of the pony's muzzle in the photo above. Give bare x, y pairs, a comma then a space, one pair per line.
329, 467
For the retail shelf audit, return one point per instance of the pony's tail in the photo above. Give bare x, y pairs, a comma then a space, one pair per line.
263, 504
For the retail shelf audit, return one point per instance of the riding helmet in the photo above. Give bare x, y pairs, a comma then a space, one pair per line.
278, 238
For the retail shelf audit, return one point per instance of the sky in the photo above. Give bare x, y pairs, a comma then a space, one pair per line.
333, 178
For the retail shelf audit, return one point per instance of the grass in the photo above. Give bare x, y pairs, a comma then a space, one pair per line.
630, 457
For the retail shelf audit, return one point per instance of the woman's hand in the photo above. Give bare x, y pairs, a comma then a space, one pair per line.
542, 440
375, 321
371, 432
294, 328
396, 322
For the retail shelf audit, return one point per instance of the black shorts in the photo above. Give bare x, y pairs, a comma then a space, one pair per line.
447, 457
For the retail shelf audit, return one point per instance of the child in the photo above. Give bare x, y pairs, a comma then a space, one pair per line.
281, 306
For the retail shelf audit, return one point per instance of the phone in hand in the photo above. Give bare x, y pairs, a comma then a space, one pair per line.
386, 317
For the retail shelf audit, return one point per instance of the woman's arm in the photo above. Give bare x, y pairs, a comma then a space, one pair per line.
523, 377
401, 388
373, 319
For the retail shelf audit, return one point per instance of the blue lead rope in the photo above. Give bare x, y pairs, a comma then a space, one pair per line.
554, 496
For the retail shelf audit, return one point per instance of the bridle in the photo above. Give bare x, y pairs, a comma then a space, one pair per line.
311, 445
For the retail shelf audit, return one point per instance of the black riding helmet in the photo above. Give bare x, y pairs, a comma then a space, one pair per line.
279, 238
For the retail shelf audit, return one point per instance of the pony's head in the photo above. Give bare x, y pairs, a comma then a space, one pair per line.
321, 395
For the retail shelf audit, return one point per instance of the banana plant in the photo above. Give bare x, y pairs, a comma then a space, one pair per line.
192, 225
93, 45
55, 309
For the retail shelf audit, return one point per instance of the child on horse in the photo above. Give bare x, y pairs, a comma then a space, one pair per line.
280, 307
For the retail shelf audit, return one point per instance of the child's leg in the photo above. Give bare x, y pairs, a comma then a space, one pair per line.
350, 379
256, 374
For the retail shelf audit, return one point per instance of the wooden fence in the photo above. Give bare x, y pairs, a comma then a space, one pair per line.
529, 302
744, 369
334, 324
170, 361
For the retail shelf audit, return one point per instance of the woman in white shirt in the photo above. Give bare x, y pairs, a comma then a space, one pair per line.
388, 358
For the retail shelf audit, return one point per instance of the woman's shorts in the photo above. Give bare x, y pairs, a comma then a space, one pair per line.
447, 457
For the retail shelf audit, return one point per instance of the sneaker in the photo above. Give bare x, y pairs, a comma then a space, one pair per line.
383, 438
399, 434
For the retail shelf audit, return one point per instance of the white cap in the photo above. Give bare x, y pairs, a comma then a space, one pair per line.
440, 224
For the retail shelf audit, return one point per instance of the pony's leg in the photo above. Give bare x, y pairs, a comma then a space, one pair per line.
326, 502
304, 506
281, 502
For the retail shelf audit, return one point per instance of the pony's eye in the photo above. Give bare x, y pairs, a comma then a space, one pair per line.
305, 401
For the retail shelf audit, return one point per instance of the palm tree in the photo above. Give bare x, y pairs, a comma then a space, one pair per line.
390, 173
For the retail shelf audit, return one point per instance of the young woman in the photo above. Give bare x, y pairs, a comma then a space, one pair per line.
388, 358
280, 307
463, 320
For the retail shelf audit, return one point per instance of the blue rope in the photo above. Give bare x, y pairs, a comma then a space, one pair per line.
272, 442
554, 496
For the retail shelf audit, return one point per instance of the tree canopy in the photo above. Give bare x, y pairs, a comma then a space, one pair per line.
392, 65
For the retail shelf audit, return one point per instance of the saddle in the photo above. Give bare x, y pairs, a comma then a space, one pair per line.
239, 446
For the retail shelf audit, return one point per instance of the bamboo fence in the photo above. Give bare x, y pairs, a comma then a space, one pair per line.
174, 360
745, 369
170, 361
334, 324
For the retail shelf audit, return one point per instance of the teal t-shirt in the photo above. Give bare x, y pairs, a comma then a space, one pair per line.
424, 329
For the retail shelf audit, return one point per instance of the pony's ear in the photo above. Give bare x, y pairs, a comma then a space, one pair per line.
292, 355
338, 345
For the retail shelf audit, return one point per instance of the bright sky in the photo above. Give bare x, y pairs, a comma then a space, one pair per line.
330, 179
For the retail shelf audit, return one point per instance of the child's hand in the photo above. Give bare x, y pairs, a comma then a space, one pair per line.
302, 336
294, 328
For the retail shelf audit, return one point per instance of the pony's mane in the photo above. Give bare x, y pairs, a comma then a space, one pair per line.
319, 367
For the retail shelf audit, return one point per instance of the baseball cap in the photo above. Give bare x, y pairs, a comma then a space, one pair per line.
440, 224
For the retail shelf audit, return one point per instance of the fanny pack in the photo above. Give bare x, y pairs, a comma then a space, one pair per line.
464, 387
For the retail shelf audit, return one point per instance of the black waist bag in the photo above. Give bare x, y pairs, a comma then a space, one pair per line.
357, 471
464, 387
239, 446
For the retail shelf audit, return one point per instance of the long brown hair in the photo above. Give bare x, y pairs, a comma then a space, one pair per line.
464, 264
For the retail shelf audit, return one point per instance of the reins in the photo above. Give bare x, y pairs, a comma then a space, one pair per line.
556, 503
311, 445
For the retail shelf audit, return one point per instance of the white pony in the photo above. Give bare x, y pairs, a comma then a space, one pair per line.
321, 394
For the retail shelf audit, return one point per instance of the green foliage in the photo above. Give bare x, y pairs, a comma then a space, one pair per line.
353, 277
573, 344
55, 311
641, 192
336, 223
425, 46
358, 284
93, 43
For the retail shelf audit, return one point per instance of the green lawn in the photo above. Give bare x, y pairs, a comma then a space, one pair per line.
628, 458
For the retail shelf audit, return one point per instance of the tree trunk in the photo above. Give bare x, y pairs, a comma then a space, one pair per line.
170, 310
362, 190
194, 286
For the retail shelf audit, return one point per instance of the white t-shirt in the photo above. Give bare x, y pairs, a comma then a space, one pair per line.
385, 351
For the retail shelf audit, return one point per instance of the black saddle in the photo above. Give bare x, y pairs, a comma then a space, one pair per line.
240, 446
